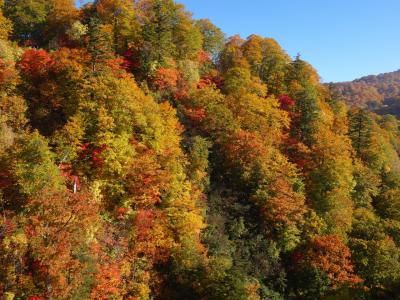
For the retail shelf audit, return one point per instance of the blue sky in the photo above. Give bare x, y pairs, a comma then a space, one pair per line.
342, 39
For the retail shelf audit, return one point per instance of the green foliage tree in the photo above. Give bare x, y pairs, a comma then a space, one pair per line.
121, 15
28, 18
100, 44
375, 254
360, 130
159, 22
213, 37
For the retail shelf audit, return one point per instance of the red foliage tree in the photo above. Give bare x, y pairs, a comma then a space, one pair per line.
131, 60
35, 63
92, 154
286, 102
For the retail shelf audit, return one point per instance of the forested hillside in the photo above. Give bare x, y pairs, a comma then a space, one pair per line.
380, 93
144, 155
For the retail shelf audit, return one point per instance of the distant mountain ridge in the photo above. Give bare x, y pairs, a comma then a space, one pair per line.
380, 93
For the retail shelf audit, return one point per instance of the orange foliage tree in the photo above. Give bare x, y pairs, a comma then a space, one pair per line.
59, 228
330, 255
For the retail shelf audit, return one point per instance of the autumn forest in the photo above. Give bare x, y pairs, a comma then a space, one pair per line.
146, 155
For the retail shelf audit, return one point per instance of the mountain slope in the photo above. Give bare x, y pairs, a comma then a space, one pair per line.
380, 93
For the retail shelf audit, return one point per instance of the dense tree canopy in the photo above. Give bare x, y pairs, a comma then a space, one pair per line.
144, 155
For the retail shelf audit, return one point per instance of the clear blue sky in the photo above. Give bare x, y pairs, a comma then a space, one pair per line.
342, 39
